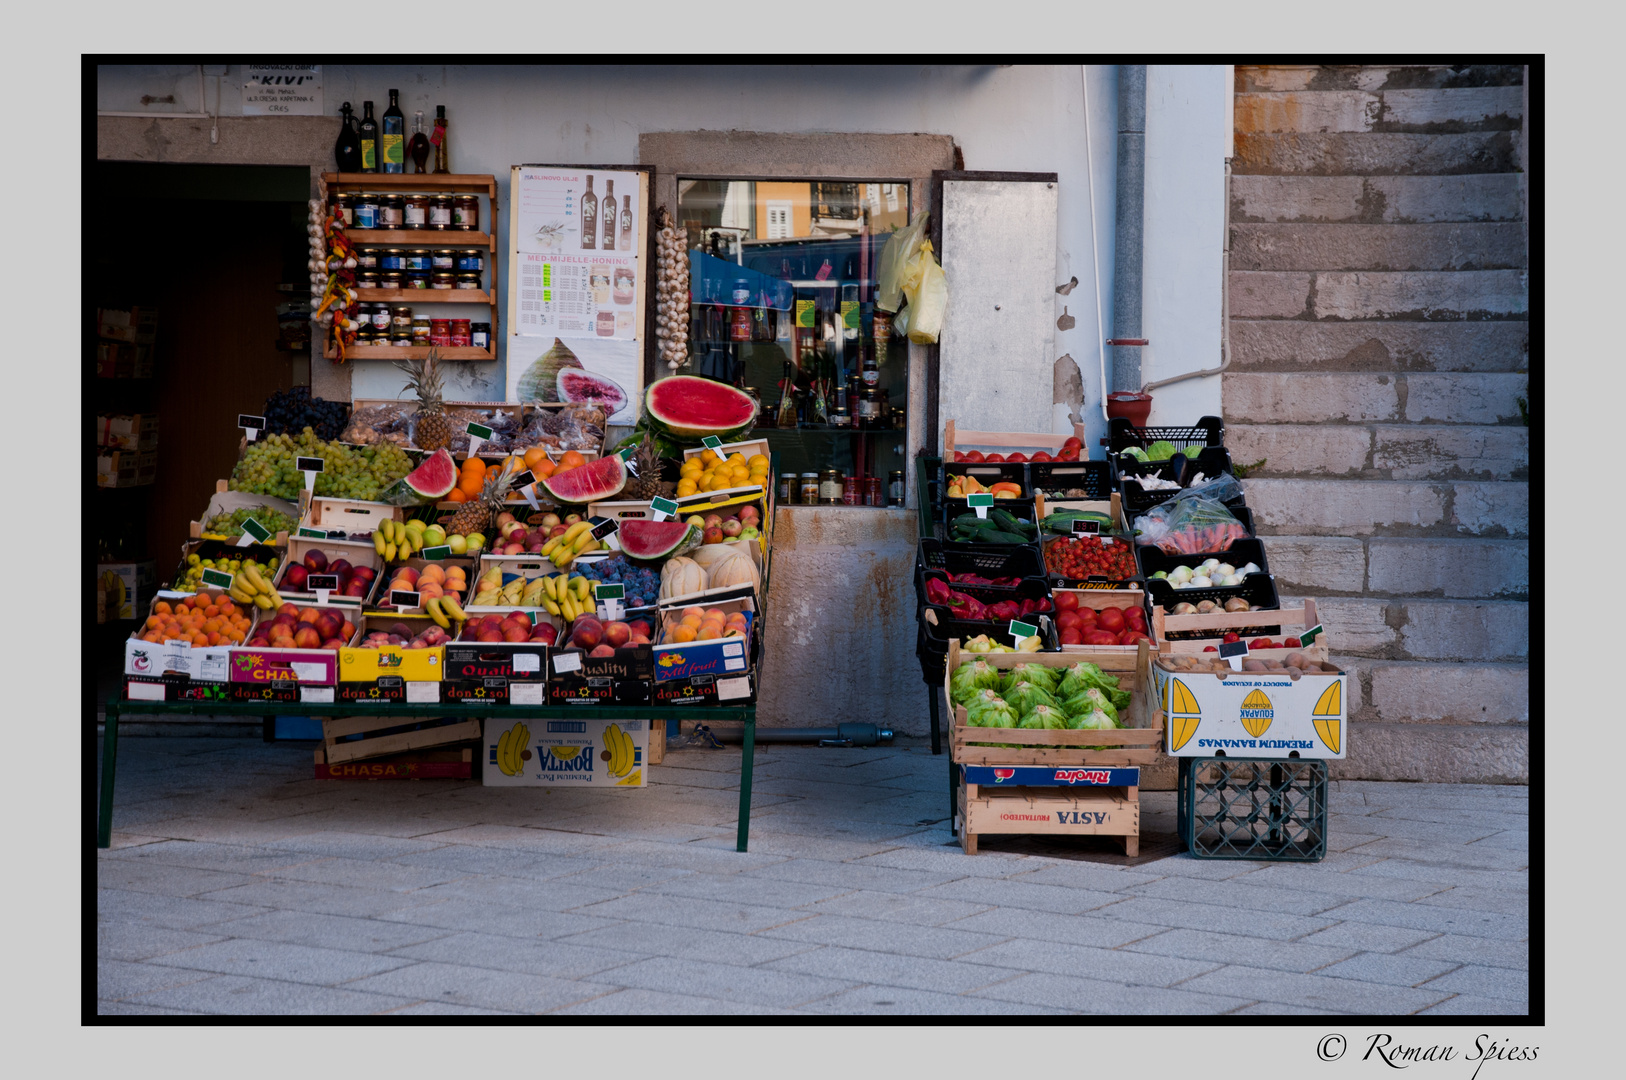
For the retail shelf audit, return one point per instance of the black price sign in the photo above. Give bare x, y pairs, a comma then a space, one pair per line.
402, 599
309, 464
245, 420
1086, 525
604, 528
519, 481
322, 582
1233, 648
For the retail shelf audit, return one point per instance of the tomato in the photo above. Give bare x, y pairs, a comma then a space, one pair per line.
1135, 617
1018, 456
1111, 620
974, 455
1067, 455
1072, 442
1292, 643
1131, 637
1210, 648
994, 457
1067, 620
1231, 638
1264, 643
1100, 637
1071, 636
1040, 456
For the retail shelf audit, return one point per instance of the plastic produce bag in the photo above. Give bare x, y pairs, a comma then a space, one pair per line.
900, 247
1194, 521
928, 299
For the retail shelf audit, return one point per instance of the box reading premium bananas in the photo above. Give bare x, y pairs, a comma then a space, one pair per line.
573, 752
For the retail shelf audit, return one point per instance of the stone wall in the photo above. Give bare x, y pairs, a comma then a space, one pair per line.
1379, 309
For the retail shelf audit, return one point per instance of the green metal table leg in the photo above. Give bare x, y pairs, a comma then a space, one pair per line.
110, 757
746, 765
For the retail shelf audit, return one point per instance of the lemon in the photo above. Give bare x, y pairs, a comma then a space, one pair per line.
686, 487
758, 461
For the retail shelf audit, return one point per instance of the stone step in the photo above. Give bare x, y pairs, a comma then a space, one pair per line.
1358, 508
1375, 200
1344, 153
1295, 345
1421, 296
1424, 111
1453, 246
1436, 754
1373, 77
1463, 568
1288, 397
1382, 451
1318, 565
1382, 628
1465, 694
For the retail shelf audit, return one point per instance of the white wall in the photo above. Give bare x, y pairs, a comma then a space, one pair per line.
1024, 118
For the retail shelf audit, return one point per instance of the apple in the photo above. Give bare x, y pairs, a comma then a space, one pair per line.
713, 521
513, 549
558, 530
750, 532
732, 527
475, 541
749, 515
549, 521
571, 519
504, 518
295, 577
697, 521
713, 535
315, 561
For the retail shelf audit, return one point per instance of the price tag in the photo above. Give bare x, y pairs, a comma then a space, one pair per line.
712, 443
566, 662
321, 585
1022, 630
1108, 540
605, 528
1234, 651
479, 435
253, 533
729, 689
530, 497
626, 459
218, 578
315, 534
1304, 639
527, 663
316, 695
423, 693
310, 466
251, 425
1086, 525
610, 596
525, 693
400, 598
663, 508
980, 502
436, 553
521, 479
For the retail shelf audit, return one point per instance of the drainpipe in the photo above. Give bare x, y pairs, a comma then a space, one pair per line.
1128, 243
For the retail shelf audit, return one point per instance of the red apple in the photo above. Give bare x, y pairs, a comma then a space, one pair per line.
315, 561
732, 527
749, 515
713, 535
295, 577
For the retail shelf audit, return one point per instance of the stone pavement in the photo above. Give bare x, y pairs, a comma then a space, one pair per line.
238, 885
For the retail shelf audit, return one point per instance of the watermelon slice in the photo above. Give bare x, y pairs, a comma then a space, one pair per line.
593, 482
690, 408
649, 541
429, 482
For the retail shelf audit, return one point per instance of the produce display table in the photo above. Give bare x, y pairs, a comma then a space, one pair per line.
746, 714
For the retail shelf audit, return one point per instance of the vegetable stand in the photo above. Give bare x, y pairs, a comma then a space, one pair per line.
745, 714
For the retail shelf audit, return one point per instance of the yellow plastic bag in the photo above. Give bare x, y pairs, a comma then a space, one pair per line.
901, 247
926, 290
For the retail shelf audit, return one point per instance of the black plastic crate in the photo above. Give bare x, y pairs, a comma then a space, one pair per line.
938, 636
1240, 808
1034, 588
940, 532
988, 473
1259, 590
1213, 461
989, 560
1095, 478
933, 665
1121, 434
1151, 560
1097, 582
1025, 509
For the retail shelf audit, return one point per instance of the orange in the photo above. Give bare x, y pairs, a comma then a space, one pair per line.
572, 460
457, 496
474, 465
470, 483
534, 457
544, 468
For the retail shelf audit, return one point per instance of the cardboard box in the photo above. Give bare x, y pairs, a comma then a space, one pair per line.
210, 665
571, 752
129, 586
117, 360
629, 663
713, 690
277, 693
722, 656
382, 689
412, 765
305, 667
126, 468
136, 325
173, 688
574, 690
357, 554
1251, 714
487, 691
522, 660
127, 431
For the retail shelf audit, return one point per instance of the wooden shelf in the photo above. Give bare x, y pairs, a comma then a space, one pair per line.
410, 352
470, 182
428, 296
429, 238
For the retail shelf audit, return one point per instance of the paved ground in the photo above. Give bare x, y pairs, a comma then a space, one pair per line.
238, 885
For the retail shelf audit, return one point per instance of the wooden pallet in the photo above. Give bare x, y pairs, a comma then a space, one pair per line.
1112, 811
390, 735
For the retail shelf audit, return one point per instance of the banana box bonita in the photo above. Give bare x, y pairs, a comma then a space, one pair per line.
565, 753
1249, 714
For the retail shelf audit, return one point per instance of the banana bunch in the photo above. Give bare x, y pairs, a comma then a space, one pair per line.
623, 755
510, 745
399, 540
445, 610
250, 586
564, 548
569, 596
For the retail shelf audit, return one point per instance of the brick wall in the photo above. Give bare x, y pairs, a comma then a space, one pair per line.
1380, 346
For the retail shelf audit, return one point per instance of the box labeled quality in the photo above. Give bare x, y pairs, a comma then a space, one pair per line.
706, 690
1251, 714
566, 753
509, 660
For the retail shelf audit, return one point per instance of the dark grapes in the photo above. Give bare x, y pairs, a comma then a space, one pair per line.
288, 412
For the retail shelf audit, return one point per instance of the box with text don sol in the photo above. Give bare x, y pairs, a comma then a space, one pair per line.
571, 752
707, 690
1253, 714
172, 688
305, 667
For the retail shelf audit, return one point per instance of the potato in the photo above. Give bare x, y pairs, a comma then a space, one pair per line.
1253, 665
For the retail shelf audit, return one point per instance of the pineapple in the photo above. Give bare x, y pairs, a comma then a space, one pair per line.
433, 428
646, 463
477, 515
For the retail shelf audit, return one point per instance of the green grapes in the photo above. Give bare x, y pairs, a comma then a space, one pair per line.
232, 524
269, 467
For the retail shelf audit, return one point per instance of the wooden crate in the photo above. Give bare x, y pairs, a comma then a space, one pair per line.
1111, 811
1097, 599
1112, 507
1015, 440
1138, 744
387, 735
1293, 622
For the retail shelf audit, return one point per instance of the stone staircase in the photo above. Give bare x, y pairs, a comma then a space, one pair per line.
1380, 351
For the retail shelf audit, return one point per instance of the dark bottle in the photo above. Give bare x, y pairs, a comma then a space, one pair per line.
438, 140
347, 150
626, 223
418, 148
369, 139
392, 137
611, 220
589, 216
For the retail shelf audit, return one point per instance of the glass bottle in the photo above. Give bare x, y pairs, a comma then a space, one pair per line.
870, 372
368, 133
418, 148
438, 140
347, 150
611, 221
589, 209
626, 223
787, 400
392, 137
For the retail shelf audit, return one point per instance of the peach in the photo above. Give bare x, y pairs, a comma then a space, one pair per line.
307, 638
288, 610
641, 626
697, 612
328, 626
709, 633
639, 639
489, 635
333, 643
430, 591
432, 575
602, 650
408, 573
309, 615
681, 632
617, 633
715, 613
516, 633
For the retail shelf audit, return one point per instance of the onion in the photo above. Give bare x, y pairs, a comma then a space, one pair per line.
1236, 603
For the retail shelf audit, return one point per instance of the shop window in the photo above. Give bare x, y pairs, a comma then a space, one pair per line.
783, 283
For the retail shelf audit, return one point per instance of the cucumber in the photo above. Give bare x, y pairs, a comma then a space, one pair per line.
997, 537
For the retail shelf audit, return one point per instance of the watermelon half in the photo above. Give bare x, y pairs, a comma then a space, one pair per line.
429, 482
690, 408
649, 541
593, 482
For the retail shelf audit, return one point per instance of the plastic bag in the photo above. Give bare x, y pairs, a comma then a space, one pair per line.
1194, 521
928, 298
900, 247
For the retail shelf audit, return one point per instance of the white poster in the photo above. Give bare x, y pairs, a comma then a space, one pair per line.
282, 90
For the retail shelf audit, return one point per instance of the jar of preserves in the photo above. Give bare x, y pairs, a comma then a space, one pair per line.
416, 279
366, 259
345, 207
894, 488
391, 279
466, 212
392, 259
810, 489
367, 279
440, 332
830, 487
443, 259
444, 280
403, 341
420, 331
440, 211
468, 281
788, 488
460, 334
851, 491
365, 335
418, 259
391, 212
381, 318
401, 320
869, 408
416, 211
364, 211
471, 259
480, 335
874, 493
